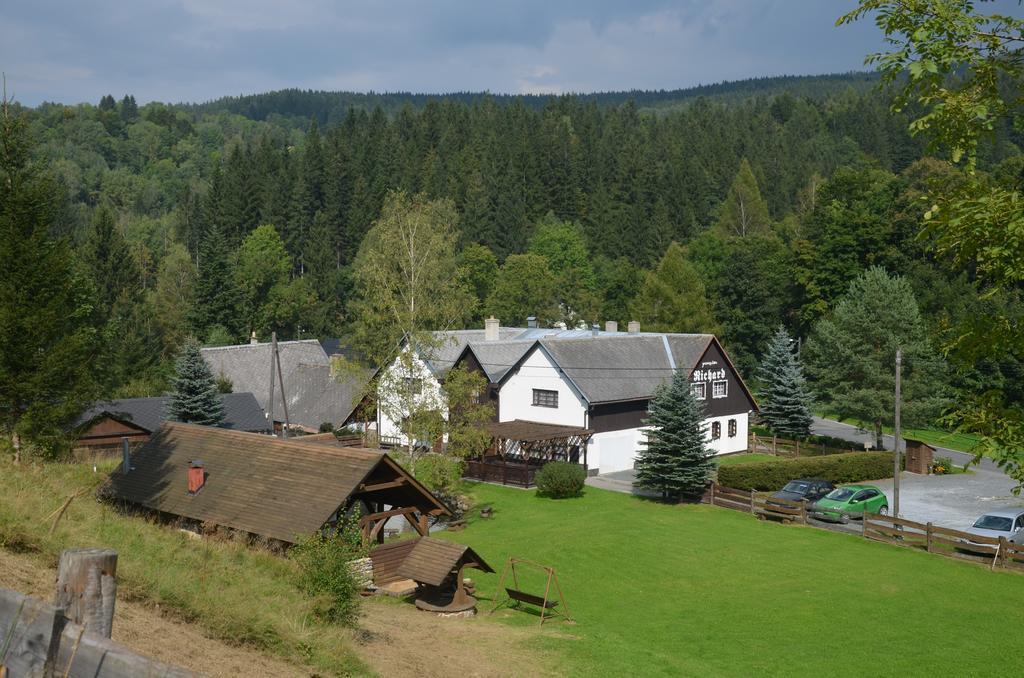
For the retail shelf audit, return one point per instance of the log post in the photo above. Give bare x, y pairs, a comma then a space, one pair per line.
87, 588
928, 538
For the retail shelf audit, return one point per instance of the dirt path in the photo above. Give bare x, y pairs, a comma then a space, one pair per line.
394, 639
149, 633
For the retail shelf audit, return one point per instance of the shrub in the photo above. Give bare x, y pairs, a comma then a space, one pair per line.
325, 572
851, 467
560, 479
942, 465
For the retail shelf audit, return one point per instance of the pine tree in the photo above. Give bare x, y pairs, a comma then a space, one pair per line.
785, 398
196, 399
673, 297
675, 458
744, 211
217, 298
47, 342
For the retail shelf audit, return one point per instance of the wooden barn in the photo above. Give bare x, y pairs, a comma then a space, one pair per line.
268, 487
107, 422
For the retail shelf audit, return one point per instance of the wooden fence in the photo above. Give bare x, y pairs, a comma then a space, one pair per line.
900, 531
758, 504
782, 447
935, 539
37, 639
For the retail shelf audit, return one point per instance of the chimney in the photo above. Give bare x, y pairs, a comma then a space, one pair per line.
611, 326
634, 327
531, 321
196, 476
491, 326
126, 456
595, 330
252, 339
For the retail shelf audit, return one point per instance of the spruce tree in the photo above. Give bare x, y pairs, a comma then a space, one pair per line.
217, 297
675, 459
196, 398
47, 341
785, 398
744, 211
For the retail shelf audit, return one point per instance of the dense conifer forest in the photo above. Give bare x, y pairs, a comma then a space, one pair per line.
245, 214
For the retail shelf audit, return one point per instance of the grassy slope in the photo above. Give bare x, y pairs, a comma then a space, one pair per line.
743, 459
234, 593
685, 590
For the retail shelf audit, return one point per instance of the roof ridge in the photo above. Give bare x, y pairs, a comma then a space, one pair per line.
270, 440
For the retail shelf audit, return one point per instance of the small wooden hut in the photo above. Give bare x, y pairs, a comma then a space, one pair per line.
436, 566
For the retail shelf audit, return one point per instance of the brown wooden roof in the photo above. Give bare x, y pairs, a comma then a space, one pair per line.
530, 431
259, 484
431, 560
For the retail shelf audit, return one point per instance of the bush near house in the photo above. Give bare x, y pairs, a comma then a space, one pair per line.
560, 480
851, 467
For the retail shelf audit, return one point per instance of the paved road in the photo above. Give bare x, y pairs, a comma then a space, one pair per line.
836, 429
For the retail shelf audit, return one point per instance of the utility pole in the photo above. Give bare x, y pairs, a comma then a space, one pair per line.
896, 440
270, 401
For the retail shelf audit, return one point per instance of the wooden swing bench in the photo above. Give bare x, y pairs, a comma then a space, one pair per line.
529, 598
546, 603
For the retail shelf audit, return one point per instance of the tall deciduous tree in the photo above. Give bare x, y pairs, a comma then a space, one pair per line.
851, 356
564, 246
673, 298
962, 69
173, 297
47, 342
785, 397
675, 458
261, 264
195, 398
478, 268
744, 212
525, 287
408, 287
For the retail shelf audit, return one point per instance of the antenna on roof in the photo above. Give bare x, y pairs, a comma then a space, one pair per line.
275, 371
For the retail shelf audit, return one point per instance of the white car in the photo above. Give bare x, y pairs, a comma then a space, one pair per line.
1007, 523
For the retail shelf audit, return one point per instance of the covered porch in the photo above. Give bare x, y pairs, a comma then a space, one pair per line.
520, 448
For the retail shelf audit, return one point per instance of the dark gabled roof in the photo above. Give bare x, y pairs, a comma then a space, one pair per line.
431, 560
316, 395
247, 366
259, 484
241, 412
496, 358
628, 367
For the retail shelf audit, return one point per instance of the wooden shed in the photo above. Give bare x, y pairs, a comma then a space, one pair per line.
270, 487
437, 568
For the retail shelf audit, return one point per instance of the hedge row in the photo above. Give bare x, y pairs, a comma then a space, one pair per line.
851, 467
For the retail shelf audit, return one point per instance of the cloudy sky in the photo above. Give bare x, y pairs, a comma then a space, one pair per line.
194, 50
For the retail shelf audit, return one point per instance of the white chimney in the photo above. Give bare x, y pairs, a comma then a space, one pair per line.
491, 326
611, 326
252, 339
634, 327
531, 321
595, 329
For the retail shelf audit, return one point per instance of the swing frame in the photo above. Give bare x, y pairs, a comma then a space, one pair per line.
546, 608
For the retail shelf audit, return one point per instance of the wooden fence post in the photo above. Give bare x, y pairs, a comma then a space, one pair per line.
999, 551
775, 445
712, 494
928, 538
864, 525
87, 588
752, 512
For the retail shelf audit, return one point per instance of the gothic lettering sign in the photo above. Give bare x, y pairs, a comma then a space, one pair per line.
708, 371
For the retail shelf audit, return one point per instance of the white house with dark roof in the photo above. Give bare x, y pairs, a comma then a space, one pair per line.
602, 381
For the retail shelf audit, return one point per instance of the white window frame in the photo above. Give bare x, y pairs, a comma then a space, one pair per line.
699, 390
725, 388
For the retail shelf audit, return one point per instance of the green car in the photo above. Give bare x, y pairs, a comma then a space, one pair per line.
849, 501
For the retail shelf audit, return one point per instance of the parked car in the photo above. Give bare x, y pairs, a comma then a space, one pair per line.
803, 489
849, 501
1007, 523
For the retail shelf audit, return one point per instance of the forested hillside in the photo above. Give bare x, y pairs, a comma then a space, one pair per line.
226, 218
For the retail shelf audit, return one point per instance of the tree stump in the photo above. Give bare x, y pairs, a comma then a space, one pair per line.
87, 587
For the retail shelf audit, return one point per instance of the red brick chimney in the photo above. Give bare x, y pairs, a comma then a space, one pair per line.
196, 476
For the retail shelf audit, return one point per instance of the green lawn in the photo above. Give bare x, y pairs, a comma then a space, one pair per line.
697, 590
743, 459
